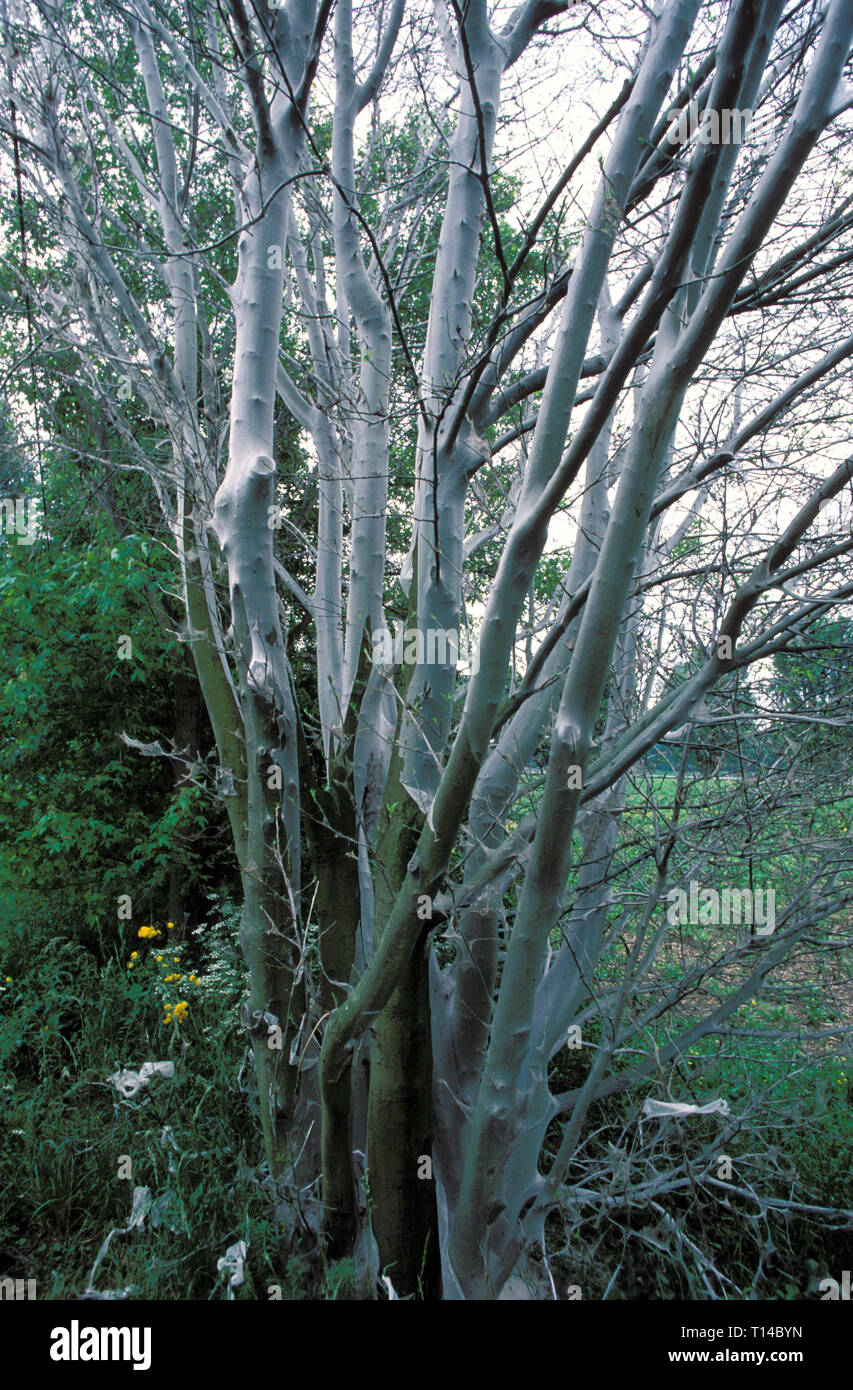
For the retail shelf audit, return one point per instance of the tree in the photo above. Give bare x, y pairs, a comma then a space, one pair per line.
458, 939
815, 675
89, 654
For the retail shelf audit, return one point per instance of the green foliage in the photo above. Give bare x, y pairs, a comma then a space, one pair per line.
67, 1022
791, 1139
817, 674
85, 818
341, 1284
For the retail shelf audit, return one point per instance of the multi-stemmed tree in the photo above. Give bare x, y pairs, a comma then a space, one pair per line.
565, 387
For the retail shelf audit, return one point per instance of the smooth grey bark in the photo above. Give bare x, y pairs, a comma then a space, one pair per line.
421, 800
496, 1125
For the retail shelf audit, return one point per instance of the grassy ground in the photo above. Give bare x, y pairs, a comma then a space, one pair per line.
72, 1013
68, 1022
791, 1138
791, 1098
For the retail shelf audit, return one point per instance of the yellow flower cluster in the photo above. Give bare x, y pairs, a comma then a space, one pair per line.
172, 1013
